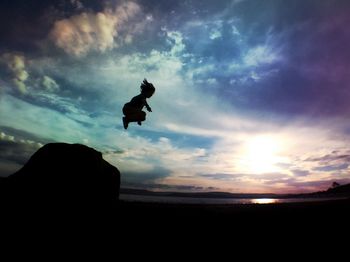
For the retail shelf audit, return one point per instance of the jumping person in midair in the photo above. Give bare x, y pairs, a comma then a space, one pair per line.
133, 109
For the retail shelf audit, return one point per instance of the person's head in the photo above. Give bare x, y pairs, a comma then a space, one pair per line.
147, 89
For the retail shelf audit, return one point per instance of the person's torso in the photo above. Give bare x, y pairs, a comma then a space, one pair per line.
138, 101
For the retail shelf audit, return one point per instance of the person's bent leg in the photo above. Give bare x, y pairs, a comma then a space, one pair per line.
136, 116
142, 116
125, 122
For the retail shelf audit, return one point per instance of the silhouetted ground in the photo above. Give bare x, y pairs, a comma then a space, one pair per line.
67, 194
61, 176
244, 212
242, 220
152, 229
161, 217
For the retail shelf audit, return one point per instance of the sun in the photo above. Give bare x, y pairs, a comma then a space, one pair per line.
260, 154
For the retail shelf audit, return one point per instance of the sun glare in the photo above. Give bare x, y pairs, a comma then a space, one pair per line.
260, 155
264, 201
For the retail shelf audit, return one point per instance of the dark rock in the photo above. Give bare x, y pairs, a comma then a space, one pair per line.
65, 177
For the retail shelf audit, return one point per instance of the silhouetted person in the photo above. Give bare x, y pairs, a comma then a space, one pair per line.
133, 109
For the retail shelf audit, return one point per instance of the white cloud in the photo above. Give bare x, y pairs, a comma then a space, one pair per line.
87, 32
5, 137
235, 30
11, 138
41, 121
261, 54
50, 84
17, 66
176, 41
143, 154
251, 158
178, 108
244, 63
214, 34
189, 166
177, 105
26, 84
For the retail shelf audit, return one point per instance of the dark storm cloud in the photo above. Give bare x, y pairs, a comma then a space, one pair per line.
22, 135
18, 153
187, 188
26, 26
146, 177
14, 154
181, 187
148, 180
16, 147
31, 21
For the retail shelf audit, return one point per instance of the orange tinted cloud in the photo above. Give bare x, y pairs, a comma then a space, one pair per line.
87, 32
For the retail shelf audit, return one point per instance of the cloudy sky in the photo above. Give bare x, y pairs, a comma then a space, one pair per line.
251, 96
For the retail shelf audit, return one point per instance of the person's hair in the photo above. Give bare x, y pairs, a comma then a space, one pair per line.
147, 87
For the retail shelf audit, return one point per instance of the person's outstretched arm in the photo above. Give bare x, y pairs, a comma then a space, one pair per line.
149, 109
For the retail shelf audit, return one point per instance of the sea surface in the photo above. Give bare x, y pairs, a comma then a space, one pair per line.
215, 201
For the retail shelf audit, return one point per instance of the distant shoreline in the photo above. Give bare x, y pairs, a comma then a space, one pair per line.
217, 200
334, 193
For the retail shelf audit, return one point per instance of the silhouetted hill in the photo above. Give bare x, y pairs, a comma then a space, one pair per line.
341, 189
64, 176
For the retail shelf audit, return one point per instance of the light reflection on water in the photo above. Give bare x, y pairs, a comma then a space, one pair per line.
192, 200
265, 200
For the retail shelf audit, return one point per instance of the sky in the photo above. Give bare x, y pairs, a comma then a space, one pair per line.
251, 96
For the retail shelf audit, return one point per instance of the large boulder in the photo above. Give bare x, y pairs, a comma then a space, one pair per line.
64, 176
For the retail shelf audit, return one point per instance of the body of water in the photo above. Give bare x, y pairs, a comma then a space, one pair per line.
216, 201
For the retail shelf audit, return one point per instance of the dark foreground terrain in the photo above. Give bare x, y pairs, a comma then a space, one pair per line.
67, 193
299, 210
158, 222
226, 215
288, 225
